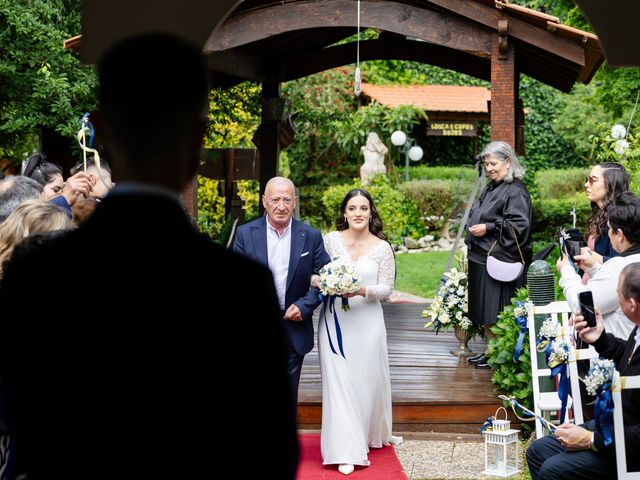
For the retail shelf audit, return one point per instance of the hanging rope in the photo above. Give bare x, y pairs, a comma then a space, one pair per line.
632, 114
357, 81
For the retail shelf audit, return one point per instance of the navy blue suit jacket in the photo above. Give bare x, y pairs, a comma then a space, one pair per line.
307, 257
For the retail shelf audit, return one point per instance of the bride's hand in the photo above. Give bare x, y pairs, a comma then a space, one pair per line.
315, 281
362, 291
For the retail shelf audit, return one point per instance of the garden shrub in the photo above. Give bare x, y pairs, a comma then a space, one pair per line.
210, 207
513, 378
554, 183
435, 199
551, 214
400, 216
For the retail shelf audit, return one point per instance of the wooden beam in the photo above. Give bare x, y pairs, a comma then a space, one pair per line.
237, 63
246, 164
520, 29
438, 28
386, 49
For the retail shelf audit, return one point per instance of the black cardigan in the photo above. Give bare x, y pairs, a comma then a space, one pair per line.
501, 206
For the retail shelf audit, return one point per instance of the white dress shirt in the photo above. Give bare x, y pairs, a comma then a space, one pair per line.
278, 253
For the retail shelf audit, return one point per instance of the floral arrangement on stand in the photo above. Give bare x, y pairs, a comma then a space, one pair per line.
598, 382
450, 306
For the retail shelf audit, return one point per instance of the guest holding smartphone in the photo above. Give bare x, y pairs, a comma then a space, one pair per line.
624, 234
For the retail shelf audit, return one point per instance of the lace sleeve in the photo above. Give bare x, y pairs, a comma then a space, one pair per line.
386, 275
330, 244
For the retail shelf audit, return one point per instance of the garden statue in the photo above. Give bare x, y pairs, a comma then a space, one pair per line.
374, 152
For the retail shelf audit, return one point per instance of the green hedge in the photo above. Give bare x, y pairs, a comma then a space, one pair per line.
561, 183
399, 215
424, 172
551, 214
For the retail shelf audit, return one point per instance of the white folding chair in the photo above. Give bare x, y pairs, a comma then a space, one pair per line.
619, 384
545, 404
577, 354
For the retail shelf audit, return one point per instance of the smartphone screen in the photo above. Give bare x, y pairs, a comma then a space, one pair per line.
586, 307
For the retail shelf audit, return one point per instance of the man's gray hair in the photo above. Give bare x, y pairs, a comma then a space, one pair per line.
630, 287
14, 190
503, 152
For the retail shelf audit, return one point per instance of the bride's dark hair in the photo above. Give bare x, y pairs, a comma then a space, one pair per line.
375, 225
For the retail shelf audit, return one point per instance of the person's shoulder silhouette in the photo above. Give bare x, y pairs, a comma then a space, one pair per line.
113, 345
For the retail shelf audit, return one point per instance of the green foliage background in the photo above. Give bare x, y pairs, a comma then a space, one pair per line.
43, 85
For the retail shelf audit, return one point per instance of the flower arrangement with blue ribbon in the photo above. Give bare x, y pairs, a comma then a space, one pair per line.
557, 361
521, 313
336, 279
549, 330
598, 382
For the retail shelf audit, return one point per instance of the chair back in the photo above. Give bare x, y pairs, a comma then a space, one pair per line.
619, 384
545, 403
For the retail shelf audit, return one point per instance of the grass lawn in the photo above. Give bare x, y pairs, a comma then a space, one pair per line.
420, 273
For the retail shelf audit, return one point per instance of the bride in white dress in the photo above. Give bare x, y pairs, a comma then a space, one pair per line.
356, 390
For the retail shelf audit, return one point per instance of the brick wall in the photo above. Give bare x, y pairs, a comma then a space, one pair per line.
503, 93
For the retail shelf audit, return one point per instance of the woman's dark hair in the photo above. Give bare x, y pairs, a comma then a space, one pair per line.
624, 214
616, 181
375, 225
40, 170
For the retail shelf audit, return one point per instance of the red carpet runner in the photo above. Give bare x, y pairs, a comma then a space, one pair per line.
384, 463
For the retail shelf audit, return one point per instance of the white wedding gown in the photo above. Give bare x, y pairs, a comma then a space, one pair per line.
356, 390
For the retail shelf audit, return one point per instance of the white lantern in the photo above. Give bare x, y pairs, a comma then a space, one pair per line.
501, 448
415, 153
398, 138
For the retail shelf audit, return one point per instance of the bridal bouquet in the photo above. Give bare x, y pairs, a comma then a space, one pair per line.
338, 278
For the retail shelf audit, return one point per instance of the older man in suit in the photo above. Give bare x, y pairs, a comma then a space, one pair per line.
294, 252
578, 451
126, 366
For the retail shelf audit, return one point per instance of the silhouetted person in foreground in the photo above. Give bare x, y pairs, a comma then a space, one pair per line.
101, 379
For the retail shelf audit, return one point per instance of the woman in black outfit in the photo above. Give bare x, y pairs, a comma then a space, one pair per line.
503, 209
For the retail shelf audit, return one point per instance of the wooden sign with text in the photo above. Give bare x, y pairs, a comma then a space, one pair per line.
452, 129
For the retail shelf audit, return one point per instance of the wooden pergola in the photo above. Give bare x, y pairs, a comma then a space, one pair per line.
276, 41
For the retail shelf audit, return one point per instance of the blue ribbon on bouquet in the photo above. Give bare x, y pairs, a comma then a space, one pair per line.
603, 412
546, 344
331, 301
487, 424
522, 323
563, 387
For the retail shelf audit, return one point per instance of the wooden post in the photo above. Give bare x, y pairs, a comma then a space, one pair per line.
503, 88
269, 147
228, 180
190, 197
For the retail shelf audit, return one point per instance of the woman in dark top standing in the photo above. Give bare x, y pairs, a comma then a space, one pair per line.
605, 183
503, 209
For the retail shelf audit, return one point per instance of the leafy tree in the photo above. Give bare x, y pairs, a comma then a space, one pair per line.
42, 84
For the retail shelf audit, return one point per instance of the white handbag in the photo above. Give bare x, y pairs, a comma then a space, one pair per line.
504, 271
